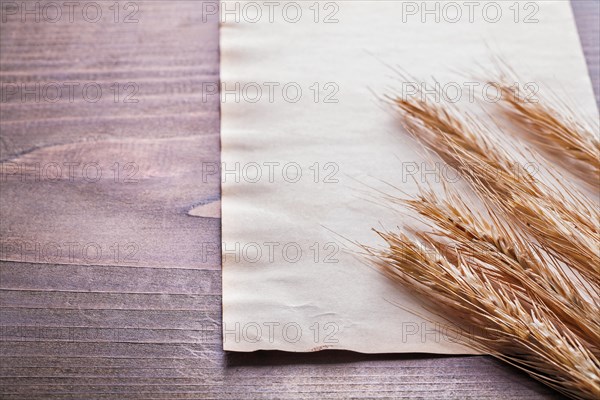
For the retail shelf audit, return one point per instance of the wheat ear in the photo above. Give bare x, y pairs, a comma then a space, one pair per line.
558, 134
566, 226
525, 336
497, 248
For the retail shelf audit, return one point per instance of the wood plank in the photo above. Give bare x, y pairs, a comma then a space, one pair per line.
148, 327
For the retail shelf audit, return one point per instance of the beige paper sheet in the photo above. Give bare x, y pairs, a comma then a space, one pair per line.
272, 300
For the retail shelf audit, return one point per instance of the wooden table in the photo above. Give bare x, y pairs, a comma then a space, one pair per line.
107, 290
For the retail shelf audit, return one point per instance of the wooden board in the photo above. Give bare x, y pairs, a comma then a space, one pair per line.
110, 287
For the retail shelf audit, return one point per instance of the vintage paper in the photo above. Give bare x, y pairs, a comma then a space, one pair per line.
297, 169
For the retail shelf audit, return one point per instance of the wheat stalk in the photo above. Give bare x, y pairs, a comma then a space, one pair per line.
483, 272
527, 336
567, 227
496, 246
558, 134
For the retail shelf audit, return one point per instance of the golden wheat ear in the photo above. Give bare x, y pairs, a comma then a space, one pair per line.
567, 226
558, 134
528, 272
526, 336
497, 249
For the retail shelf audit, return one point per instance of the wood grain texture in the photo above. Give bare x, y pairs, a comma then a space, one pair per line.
143, 322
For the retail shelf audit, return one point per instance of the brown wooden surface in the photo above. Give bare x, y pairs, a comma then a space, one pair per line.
148, 326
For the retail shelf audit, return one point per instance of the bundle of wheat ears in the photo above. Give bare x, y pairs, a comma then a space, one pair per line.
525, 271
